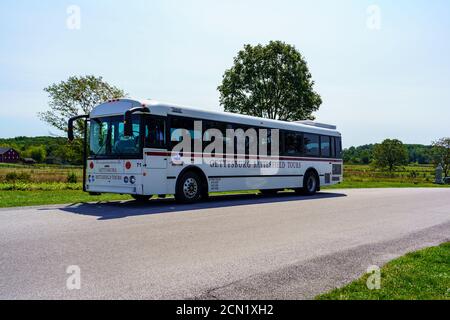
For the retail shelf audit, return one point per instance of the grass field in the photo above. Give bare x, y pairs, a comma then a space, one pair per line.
46, 184
34, 198
40, 173
422, 275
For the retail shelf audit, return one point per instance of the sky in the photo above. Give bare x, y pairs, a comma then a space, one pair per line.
381, 67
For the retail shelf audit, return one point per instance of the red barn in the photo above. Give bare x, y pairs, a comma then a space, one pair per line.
9, 155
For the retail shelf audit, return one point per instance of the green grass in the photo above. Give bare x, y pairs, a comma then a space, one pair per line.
39, 197
421, 275
44, 186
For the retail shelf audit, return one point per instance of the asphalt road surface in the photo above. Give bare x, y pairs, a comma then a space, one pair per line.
238, 247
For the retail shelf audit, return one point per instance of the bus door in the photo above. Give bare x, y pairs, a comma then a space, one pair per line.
155, 142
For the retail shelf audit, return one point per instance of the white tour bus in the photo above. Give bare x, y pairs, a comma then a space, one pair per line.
133, 147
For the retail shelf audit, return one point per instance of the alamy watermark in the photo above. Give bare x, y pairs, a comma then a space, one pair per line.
231, 147
73, 282
374, 279
73, 20
374, 18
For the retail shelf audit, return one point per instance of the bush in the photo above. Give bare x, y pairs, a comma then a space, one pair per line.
72, 178
14, 177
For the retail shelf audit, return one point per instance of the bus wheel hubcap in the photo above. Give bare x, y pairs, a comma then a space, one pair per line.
190, 188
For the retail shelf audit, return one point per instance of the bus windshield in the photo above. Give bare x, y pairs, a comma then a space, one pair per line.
107, 139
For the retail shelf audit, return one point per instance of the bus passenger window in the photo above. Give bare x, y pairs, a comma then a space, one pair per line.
311, 142
325, 146
339, 147
333, 147
292, 144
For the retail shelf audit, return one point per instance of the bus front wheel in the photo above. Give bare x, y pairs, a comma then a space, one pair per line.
189, 188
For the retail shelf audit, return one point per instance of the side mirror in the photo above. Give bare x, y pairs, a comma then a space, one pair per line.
70, 134
128, 120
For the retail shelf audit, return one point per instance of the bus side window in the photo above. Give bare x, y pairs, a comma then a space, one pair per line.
155, 133
292, 143
339, 147
325, 146
311, 142
207, 125
333, 147
180, 123
266, 142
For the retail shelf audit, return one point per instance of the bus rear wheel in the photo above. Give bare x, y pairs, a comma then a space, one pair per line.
141, 198
310, 183
189, 188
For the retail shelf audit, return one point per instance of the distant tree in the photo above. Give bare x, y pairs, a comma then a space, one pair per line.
441, 154
419, 153
271, 81
76, 96
359, 155
37, 153
69, 153
390, 154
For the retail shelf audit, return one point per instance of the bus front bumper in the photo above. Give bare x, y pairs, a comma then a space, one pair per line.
136, 189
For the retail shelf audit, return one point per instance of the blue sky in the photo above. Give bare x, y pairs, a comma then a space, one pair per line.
388, 83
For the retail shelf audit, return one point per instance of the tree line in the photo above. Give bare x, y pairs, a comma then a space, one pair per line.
416, 153
51, 150
392, 153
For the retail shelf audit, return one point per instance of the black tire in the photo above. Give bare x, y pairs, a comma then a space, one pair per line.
190, 188
311, 183
141, 198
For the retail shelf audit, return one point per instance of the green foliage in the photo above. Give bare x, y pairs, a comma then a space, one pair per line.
419, 153
359, 155
390, 154
17, 176
364, 154
72, 177
47, 149
76, 96
71, 153
38, 153
271, 81
441, 154
41, 197
30, 186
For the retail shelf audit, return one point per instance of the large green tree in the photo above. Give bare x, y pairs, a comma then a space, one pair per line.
441, 154
390, 154
271, 81
76, 96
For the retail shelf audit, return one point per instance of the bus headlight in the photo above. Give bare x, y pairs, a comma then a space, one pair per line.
132, 179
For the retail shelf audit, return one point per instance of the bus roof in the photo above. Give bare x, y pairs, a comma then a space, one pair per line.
120, 106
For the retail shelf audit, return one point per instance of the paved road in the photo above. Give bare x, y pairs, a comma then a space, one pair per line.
235, 247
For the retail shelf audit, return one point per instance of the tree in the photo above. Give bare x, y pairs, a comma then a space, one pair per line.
390, 154
270, 81
441, 154
38, 153
76, 96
